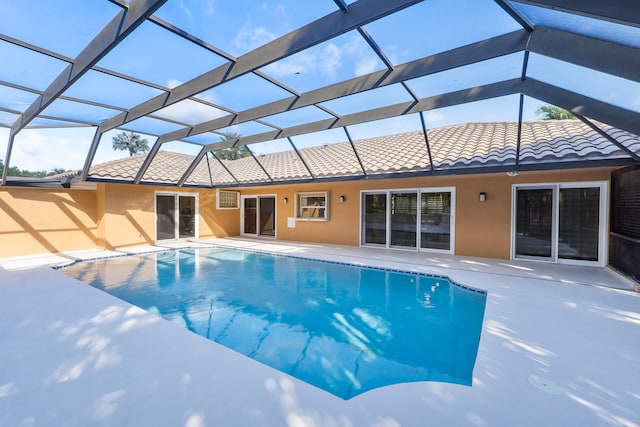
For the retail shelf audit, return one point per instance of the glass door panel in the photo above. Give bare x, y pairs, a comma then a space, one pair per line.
375, 219
579, 223
435, 220
250, 207
267, 216
404, 219
187, 217
534, 222
165, 217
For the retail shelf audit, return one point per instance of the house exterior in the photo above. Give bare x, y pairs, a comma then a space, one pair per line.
468, 200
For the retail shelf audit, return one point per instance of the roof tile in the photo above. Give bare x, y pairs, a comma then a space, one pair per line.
468, 144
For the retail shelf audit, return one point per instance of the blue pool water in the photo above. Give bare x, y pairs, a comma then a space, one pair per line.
339, 327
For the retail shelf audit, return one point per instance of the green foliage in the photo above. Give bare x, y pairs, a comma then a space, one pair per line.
129, 141
551, 112
15, 171
232, 153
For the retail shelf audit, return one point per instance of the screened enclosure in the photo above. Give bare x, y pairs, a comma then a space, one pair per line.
225, 94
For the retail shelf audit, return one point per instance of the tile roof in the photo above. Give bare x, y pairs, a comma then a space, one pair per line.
458, 146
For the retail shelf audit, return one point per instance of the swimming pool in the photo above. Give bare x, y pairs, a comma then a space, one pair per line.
343, 328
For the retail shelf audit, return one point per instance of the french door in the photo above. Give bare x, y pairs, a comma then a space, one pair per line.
176, 216
418, 219
258, 216
564, 223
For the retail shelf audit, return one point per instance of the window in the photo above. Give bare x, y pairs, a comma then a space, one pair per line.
227, 199
312, 206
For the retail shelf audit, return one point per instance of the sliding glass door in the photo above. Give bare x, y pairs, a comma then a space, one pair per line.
404, 219
417, 219
259, 216
579, 223
267, 216
176, 216
534, 222
560, 222
165, 217
374, 224
435, 220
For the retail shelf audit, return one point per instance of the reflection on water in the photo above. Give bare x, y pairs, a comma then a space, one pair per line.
342, 328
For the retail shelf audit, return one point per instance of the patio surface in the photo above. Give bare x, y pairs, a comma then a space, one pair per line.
560, 346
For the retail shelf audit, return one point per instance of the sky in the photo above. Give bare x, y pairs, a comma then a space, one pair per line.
236, 27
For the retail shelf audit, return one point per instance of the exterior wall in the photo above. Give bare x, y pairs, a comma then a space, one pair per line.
39, 220
482, 228
129, 215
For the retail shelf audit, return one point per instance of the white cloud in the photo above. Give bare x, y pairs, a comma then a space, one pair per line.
4, 140
394, 54
434, 117
47, 149
301, 63
364, 60
171, 83
327, 63
188, 111
330, 60
205, 6
251, 38
186, 10
210, 7
365, 66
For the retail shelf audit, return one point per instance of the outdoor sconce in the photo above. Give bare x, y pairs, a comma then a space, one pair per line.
285, 200
483, 196
341, 199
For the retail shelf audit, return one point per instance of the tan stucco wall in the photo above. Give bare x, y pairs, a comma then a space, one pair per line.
482, 228
34, 221
37, 220
129, 217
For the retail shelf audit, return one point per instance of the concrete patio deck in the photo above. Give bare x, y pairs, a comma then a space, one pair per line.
560, 346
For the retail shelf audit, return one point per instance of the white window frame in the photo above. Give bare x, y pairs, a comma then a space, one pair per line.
298, 205
419, 191
603, 212
176, 195
219, 198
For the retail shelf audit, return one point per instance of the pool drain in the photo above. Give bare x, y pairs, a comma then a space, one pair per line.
544, 384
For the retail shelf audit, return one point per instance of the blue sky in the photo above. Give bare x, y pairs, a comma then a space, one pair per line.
236, 27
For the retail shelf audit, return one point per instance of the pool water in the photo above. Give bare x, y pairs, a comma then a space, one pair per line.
343, 328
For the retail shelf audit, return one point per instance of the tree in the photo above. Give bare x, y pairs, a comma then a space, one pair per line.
15, 171
232, 153
130, 141
551, 112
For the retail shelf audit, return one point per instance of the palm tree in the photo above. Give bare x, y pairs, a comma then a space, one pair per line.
232, 153
130, 141
551, 112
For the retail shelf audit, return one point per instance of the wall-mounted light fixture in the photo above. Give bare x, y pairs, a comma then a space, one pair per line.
483, 196
285, 200
341, 199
